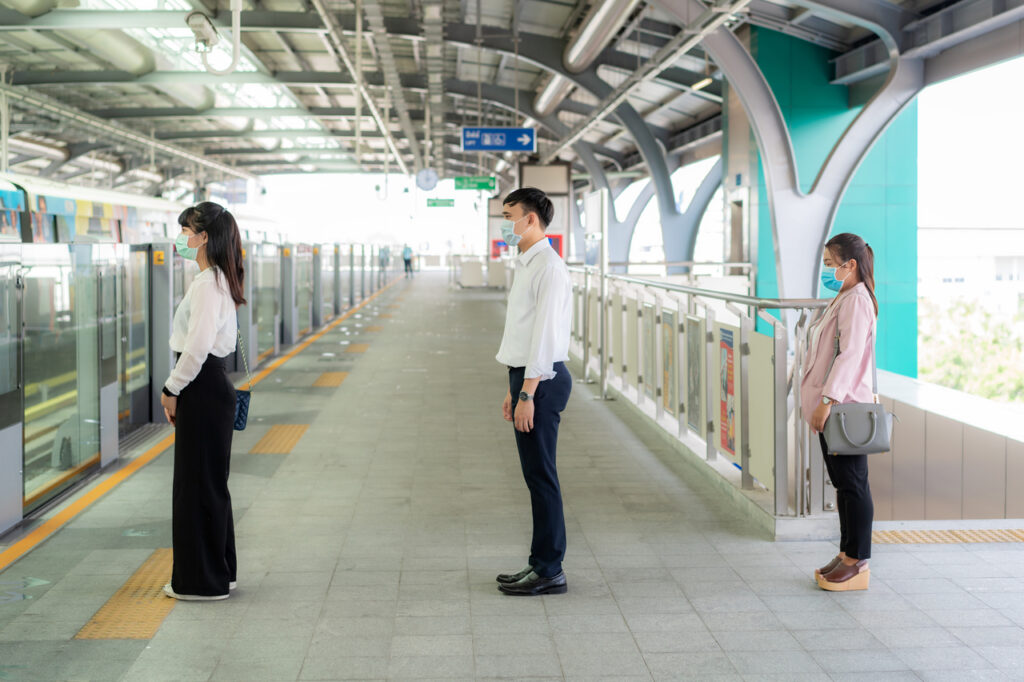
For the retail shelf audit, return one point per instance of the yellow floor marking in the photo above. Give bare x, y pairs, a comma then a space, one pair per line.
330, 379
374, 328
394, 307
357, 348
53, 524
138, 609
940, 537
386, 316
279, 440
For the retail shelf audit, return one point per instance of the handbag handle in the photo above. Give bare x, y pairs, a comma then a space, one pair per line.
245, 358
871, 438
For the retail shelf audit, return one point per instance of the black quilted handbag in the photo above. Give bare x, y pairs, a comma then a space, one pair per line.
242, 397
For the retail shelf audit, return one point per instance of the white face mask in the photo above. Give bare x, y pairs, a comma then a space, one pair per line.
508, 232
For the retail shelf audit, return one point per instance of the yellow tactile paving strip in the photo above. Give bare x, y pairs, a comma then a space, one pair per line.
374, 328
330, 379
940, 537
386, 316
279, 440
357, 348
137, 610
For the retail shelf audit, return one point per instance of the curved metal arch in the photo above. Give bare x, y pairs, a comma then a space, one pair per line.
800, 219
546, 53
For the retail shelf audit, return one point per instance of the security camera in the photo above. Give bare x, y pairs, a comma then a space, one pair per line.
204, 31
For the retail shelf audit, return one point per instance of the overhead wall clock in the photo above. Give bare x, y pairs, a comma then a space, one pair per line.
426, 179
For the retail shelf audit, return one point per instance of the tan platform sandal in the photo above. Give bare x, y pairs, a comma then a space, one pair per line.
845, 578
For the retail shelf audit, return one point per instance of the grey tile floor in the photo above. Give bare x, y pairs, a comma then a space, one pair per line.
369, 552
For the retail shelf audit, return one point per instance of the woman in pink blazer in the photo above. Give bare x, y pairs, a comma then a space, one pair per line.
849, 270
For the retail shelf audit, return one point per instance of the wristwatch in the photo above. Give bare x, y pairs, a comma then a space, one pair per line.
168, 393
825, 400
523, 395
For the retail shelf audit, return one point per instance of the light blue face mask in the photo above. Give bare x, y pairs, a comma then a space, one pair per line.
829, 281
181, 246
508, 232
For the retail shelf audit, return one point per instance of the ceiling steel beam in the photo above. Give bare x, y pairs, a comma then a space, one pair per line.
63, 19
392, 77
290, 134
928, 36
710, 20
325, 78
113, 130
341, 54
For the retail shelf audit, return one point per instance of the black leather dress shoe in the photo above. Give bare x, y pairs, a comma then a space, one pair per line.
533, 585
508, 578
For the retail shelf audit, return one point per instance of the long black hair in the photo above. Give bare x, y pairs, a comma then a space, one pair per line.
845, 246
223, 245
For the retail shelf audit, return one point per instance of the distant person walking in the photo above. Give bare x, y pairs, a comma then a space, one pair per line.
846, 377
407, 257
535, 348
199, 400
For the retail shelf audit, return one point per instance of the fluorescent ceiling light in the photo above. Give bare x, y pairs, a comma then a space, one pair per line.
701, 84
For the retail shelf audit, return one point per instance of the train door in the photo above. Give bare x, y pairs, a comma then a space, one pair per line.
10, 387
133, 409
61, 368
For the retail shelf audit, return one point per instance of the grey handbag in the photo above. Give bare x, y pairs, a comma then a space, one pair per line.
858, 428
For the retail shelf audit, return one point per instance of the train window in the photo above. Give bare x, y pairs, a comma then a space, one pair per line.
43, 228
65, 229
9, 223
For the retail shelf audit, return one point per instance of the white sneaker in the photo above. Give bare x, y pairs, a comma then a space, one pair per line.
191, 597
233, 584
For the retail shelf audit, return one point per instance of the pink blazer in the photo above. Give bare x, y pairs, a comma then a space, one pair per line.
850, 380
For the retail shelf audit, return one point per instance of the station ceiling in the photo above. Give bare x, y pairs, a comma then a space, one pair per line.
113, 92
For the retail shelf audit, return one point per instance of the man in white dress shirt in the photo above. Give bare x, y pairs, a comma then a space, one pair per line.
535, 347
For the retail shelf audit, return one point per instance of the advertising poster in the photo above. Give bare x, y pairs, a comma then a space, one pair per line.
728, 392
670, 394
694, 369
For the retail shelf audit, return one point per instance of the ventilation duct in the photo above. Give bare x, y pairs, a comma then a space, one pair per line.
599, 27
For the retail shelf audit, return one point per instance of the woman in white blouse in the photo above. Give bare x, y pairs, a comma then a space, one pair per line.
199, 400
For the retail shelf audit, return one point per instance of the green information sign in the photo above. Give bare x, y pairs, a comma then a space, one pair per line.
440, 203
484, 182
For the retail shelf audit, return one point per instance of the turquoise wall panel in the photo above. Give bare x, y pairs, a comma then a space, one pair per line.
880, 203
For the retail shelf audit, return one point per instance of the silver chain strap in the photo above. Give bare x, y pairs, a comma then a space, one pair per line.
245, 359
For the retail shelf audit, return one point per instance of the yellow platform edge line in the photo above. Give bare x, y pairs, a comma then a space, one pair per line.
139, 607
55, 523
279, 440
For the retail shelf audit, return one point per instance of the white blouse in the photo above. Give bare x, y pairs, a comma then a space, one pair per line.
204, 324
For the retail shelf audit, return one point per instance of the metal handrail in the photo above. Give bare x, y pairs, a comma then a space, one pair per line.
680, 263
752, 301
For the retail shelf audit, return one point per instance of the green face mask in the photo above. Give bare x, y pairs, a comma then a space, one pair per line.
181, 245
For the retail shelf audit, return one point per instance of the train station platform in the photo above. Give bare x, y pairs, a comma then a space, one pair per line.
376, 494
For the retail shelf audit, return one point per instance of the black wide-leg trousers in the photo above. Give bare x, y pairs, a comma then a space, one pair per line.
537, 457
849, 475
203, 528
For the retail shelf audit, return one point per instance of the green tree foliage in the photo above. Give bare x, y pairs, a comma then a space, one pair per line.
964, 346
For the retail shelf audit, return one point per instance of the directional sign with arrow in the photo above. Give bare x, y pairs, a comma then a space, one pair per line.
499, 140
